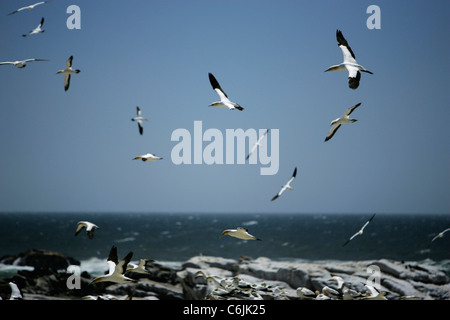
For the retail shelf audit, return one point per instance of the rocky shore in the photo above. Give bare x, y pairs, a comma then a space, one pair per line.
216, 278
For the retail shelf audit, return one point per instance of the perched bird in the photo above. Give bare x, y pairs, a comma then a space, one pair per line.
67, 72
148, 157
21, 63
360, 232
340, 121
257, 144
37, 30
349, 63
240, 233
374, 294
16, 293
117, 269
90, 227
224, 101
305, 293
440, 234
287, 186
30, 7
139, 120
139, 268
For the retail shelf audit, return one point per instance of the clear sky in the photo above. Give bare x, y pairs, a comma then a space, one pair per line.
72, 151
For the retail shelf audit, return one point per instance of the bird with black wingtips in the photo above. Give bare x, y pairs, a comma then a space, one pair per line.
349, 64
224, 101
360, 232
30, 7
287, 186
36, 30
67, 72
117, 269
344, 119
240, 233
90, 228
21, 63
139, 118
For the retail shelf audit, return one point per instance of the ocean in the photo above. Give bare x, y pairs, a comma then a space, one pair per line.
174, 238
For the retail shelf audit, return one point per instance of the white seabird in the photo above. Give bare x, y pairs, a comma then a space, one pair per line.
349, 63
224, 101
139, 120
374, 294
21, 63
287, 186
305, 293
116, 269
67, 72
257, 144
240, 233
37, 30
360, 232
148, 157
16, 294
30, 7
139, 268
90, 227
342, 120
440, 234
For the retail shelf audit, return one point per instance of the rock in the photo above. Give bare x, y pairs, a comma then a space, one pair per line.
41, 260
243, 279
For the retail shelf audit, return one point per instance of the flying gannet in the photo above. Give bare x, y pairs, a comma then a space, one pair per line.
349, 63
440, 234
148, 157
336, 124
116, 269
240, 233
224, 101
287, 186
30, 7
139, 120
67, 72
139, 268
37, 30
21, 63
90, 227
360, 232
257, 144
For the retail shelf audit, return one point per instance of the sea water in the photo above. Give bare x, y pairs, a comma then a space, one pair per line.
174, 238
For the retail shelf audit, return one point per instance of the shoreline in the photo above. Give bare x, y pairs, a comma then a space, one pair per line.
261, 279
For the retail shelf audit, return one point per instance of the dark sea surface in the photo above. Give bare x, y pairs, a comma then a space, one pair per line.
178, 237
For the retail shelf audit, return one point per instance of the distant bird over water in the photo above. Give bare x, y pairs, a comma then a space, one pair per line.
139, 118
21, 63
349, 63
37, 30
67, 72
30, 7
287, 186
342, 120
440, 234
240, 233
360, 232
90, 228
224, 101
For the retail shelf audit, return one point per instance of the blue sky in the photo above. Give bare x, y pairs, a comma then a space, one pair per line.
72, 151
